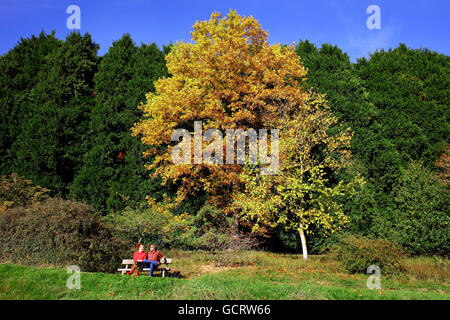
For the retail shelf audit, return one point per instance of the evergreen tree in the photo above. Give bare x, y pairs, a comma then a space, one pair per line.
18, 75
53, 135
113, 173
410, 90
396, 104
421, 223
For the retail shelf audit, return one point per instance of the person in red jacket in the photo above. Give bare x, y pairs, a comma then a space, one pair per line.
154, 257
138, 257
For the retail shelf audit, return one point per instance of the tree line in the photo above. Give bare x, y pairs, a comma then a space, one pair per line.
67, 115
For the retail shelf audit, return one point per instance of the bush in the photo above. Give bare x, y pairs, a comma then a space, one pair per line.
421, 223
207, 229
355, 254
61, 233
147, 226
17, 191
210, 229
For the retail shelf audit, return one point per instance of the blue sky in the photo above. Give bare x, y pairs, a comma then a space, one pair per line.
417, 23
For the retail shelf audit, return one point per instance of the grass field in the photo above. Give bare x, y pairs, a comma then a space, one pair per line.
226, 275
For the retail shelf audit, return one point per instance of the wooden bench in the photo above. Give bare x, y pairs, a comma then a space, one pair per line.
129, 263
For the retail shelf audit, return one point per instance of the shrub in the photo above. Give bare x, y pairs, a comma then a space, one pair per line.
147, 226
355, 254
207, 229
59, 232
18, 191
421, 223
210, 229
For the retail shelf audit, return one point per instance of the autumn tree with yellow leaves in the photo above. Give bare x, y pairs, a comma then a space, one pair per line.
302, 194
230, 77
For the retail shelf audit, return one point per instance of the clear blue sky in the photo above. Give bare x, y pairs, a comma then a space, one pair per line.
417, 23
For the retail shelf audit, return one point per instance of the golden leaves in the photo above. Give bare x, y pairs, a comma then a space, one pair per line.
229, 77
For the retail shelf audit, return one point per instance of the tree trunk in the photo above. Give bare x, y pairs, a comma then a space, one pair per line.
303, 239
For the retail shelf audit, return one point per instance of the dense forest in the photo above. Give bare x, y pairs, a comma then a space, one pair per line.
67, 114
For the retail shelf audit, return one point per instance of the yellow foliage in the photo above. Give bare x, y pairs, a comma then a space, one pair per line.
228, 76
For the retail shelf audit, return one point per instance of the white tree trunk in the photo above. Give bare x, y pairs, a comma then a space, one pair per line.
303, 239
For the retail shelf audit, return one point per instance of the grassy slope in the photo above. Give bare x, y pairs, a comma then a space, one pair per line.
250, 275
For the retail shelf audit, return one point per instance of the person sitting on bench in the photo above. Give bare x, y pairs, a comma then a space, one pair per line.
138, 257
153, 258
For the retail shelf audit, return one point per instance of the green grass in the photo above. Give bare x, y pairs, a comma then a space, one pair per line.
247, 275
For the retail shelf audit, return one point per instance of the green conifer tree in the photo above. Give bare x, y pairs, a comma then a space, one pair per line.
53, 136
113, 173
18, 75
